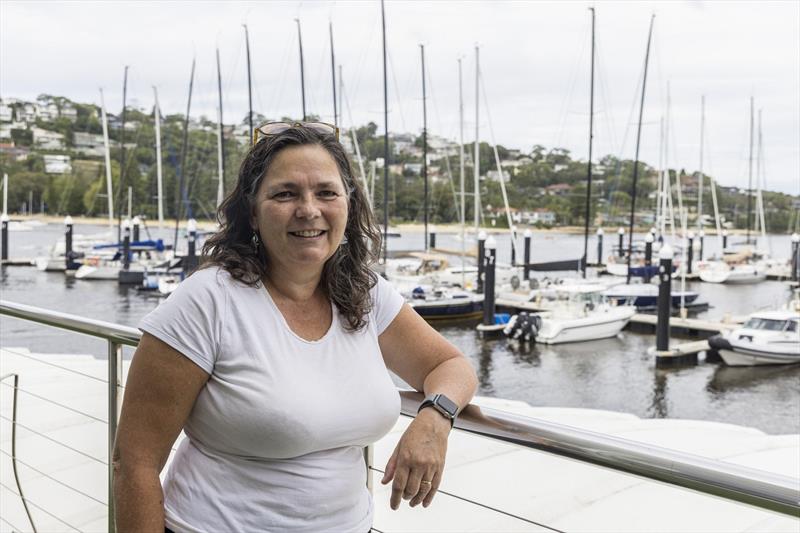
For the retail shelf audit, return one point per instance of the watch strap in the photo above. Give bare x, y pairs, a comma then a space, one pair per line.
435, 402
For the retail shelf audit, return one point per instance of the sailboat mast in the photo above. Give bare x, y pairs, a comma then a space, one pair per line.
638, 141
302, 68
122, 157
750, 174
184, 150
477, 163
109, 184
249, 86
385, 142
760, 187
424, 144
461, 167
701, 179
220, 139
159, 174
333, 77
589, 164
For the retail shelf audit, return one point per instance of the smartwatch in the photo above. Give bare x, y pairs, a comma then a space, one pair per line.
446, 407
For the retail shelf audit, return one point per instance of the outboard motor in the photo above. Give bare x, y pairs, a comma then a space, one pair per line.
523, 327
418, 293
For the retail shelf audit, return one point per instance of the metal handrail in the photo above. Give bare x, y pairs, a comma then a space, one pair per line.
758, 488
88, 326
117, 336
14, 446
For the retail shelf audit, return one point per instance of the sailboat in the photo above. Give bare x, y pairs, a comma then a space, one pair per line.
739, 267
434, 293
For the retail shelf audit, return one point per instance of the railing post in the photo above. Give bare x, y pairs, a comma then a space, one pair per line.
114, 382
690, 253
620, 245
526, 258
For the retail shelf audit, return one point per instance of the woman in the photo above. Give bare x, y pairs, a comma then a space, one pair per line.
273, 359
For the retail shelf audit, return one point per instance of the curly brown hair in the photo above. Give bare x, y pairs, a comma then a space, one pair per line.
346, 276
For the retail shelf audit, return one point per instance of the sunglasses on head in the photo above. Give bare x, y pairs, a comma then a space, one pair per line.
275, 128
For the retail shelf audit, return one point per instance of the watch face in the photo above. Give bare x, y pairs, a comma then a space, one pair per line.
448, 405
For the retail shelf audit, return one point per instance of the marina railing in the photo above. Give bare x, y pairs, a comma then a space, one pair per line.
741, 484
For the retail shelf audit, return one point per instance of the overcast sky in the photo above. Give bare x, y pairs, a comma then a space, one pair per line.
534, 60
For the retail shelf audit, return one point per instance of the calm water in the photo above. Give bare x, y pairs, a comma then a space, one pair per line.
614, 374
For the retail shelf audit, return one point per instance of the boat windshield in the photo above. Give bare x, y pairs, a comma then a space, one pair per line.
767, 324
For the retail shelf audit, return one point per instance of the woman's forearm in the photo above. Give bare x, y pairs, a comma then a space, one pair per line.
455, 378
138, 501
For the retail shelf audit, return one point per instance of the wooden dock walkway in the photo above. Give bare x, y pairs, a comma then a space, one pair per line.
688, 324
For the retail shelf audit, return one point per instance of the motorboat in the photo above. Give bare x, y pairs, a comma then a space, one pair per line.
766, 338
645, 295
572, 313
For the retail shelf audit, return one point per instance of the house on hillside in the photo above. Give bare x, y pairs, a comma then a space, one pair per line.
15, 153
29, 112
47, 140
558, 189
90, 144
6, 113
48, 111
57, 164
401, 142
540, 216
495, 176
68, 112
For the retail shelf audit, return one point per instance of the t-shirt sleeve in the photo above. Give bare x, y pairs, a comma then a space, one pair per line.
190, 320
387, 302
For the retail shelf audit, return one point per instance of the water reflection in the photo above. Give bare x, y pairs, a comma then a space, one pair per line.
485, 365
525, 353
659, 404
727, 378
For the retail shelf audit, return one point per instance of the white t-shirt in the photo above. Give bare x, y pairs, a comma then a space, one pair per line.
275, 438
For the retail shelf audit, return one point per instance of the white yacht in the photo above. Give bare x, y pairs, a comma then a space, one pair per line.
767, 338
572, 313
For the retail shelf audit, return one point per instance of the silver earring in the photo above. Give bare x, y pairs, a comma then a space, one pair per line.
256, 243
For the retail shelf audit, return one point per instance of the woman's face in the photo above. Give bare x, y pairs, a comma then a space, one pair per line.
300, 209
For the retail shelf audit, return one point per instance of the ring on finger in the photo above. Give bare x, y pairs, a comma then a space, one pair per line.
424, 482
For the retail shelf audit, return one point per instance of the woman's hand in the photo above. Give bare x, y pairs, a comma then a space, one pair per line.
418, 460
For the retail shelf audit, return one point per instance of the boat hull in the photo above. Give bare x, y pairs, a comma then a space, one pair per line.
98, 273
755, 354
558, 331
449, 309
